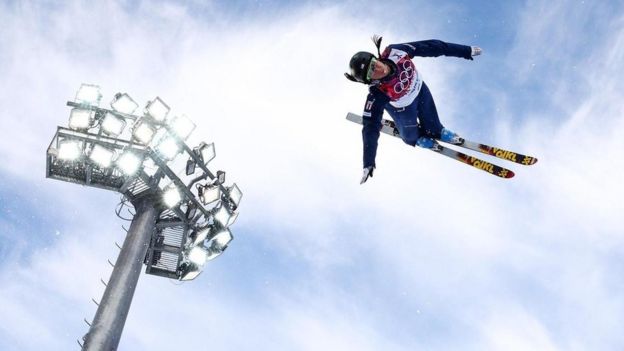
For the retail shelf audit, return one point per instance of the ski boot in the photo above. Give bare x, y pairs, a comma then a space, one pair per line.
428, 143
450, 137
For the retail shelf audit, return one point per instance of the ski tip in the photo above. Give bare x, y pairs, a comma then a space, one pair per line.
528, 160
505, 173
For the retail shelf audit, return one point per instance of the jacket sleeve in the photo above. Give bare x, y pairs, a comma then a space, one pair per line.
373, 112
434, 48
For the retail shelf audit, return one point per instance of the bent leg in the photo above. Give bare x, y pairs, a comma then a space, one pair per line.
406, 119
428, 114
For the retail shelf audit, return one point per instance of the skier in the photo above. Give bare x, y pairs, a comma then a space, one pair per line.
396, 86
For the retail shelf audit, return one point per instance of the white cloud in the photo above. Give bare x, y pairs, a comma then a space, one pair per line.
516, 330
436, 243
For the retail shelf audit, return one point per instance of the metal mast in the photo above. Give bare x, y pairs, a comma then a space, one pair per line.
107, 326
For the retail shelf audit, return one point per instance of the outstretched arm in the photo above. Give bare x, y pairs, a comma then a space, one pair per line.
435, 48
373, 111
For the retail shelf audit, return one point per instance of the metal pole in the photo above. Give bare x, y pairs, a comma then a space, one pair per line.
105, 331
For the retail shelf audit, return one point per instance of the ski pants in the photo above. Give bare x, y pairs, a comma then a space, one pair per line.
418, 119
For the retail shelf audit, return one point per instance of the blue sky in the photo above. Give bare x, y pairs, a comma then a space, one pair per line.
427, 255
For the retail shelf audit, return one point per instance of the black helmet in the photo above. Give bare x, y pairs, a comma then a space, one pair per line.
360, 64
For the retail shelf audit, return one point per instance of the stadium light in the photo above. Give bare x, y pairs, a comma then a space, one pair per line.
209, 193
69, 150
168, 148
195, 258
232, 219
223, 215
89, 95
220, 177
128, 163
207, 152
221, 240
101, 156
80, 119
235, 194
113, 125
157, 109
172, 196
175, 228
219, 243
189, 271
200, 236
182, 126
197, 255
190, 166
123, 103
143, 132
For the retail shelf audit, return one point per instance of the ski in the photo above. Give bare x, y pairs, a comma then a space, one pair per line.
470, 145
388, 127
474, 161
497, 152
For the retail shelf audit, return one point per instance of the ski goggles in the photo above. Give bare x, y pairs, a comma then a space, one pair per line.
371, 68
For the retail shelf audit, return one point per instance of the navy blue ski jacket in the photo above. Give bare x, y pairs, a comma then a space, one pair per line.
380, 96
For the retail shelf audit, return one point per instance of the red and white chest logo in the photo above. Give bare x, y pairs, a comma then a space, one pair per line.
405, 76
403, 81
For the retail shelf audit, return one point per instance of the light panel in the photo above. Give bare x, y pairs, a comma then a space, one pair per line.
149, 167
191, 273
69, 150
223, 215
123, 103
209, 194
143, 132
161, 133
212, 254
168, 148
207, 152
201, 236
88, 94
157, 109
128, 163
172, 196
101, 155
218, 244
182, 126
113, 125
221, 240
80, 119
190, 166
198, 256
235, 194
221, 177
232, 218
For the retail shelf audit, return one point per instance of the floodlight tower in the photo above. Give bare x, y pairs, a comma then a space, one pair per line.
181, 219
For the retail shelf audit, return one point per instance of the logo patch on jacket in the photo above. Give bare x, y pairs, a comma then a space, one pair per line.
369, 105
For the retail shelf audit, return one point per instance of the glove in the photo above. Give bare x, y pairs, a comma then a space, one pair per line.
368, 172
475, 51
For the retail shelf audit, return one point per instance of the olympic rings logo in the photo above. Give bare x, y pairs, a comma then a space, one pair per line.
405, 77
